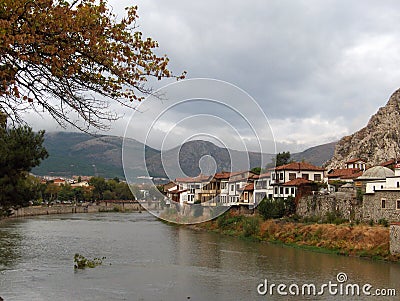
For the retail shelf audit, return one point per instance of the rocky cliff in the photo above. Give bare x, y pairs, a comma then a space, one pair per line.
377, 142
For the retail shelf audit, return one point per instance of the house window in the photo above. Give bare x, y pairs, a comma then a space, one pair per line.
305, 176
281, 176
246, 196
292, 191
273, 176
280, 190
317, 177
287, 190
223, 185
398, 184
276, 190
398, 204
232, 187
383, 203
292, 176
237, 186
381, 186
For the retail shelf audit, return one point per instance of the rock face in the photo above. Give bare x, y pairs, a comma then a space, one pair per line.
377, 142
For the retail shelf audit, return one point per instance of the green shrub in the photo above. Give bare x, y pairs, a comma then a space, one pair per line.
277, 208
383, 222
225, 220
251, 226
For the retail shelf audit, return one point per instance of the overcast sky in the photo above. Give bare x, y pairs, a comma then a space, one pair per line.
318, 69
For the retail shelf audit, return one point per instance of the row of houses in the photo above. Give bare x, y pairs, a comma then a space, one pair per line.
374, 191
246, 187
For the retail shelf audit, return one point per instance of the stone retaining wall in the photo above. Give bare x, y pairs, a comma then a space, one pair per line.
395, 238
342, 202
65, 209
373, 206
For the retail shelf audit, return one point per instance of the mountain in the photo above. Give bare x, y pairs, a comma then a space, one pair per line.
195, 157
377, 142
83, 154
317, 155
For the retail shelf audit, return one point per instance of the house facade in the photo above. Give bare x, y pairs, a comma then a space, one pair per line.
357, 163
236, 184
224, 188
263, 188
292, 171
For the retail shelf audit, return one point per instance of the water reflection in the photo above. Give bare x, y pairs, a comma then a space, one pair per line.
10, 243
150, 260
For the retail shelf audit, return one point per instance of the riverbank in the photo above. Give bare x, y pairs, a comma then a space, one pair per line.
346, 239
68, 209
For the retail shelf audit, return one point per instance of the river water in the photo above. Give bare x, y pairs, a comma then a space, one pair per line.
150, 260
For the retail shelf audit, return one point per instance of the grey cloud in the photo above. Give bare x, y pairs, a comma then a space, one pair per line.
310, 62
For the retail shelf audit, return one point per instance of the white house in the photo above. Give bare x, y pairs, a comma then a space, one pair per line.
263, 188
236, 184
357, 163
289, 172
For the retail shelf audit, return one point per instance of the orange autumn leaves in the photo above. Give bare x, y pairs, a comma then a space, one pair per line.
71, 51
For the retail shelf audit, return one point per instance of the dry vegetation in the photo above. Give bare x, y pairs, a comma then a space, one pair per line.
345, 239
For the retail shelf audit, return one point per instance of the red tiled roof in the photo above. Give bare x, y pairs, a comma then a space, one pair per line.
387, 163
249, 187
300, 166
200, 178
177, 191
353, 176
222, 175
240, 172
354, 160
345, 173
297, 182
264, 175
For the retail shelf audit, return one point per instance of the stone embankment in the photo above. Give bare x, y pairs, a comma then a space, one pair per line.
106, 206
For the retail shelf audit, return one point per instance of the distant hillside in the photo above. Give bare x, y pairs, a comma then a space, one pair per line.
317, 155
190, 154
82, 154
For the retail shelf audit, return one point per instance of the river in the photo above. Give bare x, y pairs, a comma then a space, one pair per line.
150, 260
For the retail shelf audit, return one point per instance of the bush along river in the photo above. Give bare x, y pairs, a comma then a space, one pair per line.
145, 259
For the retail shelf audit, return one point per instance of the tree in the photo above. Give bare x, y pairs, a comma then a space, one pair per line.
282, 158
73, 56
20, 150
256, 170
100, 185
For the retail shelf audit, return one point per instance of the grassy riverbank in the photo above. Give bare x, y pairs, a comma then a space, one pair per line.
345, 239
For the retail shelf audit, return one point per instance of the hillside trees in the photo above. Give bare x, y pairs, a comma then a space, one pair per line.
73, 56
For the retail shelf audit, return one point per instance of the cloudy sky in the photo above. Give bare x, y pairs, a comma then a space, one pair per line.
318, 69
